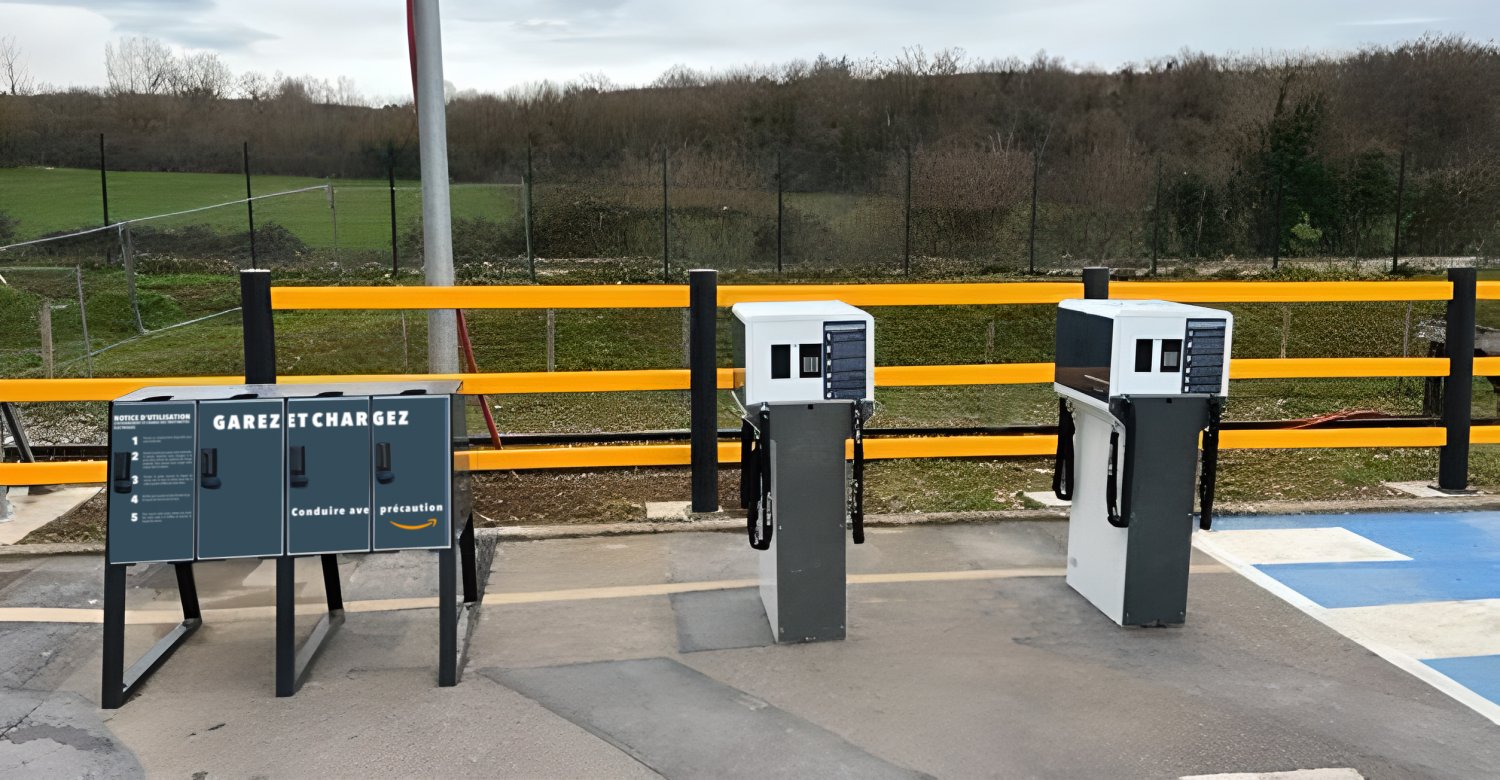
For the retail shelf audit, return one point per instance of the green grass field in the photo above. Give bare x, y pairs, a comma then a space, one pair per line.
52, 200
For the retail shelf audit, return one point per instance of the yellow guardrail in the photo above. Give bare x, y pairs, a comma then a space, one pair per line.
665, 296
109, 388
876, 448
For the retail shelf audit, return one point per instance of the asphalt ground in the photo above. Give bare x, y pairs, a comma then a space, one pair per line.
640, 656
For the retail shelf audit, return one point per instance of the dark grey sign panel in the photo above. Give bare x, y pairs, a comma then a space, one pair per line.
328, 475
413, 471
241, 446
150, 482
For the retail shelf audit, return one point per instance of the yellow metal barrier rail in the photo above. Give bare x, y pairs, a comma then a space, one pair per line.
881, 448
105, 389
659, 296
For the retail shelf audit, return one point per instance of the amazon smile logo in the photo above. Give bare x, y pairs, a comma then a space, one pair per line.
431, 521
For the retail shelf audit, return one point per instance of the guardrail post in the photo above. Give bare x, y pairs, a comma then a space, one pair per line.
1096, 282
259, 330
1458, 390
703, 311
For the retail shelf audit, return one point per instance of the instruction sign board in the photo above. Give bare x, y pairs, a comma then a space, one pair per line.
413, 471
151, 482
328, 475
241, 466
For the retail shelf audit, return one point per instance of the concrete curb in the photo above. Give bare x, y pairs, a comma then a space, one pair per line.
729, 523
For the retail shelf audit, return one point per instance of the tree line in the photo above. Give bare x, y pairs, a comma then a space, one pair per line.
1194, 154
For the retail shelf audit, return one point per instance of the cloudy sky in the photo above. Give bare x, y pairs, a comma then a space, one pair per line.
494, 44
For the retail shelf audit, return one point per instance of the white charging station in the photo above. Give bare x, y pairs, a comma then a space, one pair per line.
1139, 381
805, 377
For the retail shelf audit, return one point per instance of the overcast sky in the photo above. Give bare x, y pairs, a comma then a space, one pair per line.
494, 44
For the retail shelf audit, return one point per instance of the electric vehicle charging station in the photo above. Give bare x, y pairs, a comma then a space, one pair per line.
212, 473
1139, 381
805, 378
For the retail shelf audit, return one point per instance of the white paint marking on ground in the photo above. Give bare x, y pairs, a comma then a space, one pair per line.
1208, 543
1342, 773
1432, 629
35, 511
1301, 545
1046, 498
667, 510
1420, 489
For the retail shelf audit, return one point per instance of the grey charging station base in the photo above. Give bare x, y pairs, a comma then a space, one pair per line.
802, 574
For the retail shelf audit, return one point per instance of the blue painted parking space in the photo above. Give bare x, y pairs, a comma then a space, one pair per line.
1436, 613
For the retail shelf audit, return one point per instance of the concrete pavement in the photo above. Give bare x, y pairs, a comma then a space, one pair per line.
641, 656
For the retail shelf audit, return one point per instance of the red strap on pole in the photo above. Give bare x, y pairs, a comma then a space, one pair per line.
411, 46
473, 367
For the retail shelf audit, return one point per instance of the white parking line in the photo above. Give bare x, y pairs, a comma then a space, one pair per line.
1302, 545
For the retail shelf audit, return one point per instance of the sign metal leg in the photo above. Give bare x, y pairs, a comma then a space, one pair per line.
292, 662
119, 683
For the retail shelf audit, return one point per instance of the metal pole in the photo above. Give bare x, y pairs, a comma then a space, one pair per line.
666, 216
1400, 194
103, 181
1276, 225
1458, 388
1036, 165
258, 327
703, 310
526, 185
780, 213
103, 189
906, 247
1096, 282
390, 175
1156, 220
437, 216
249, 204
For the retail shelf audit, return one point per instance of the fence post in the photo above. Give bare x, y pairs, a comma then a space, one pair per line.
390, 176
1096, 282
127, 258
780, 226
258, 328
526, 184
1458, 390
249, 204
103, 189
44, 329
906, 247
1036, 167
1156, 220
1400, 194
666, 247
552, 339
83, 319
703, 309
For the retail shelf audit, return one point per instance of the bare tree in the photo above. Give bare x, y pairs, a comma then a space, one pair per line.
140, 66
202, 75
15, 77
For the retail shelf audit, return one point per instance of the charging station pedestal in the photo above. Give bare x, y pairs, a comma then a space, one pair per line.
806, 383
1140, 381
